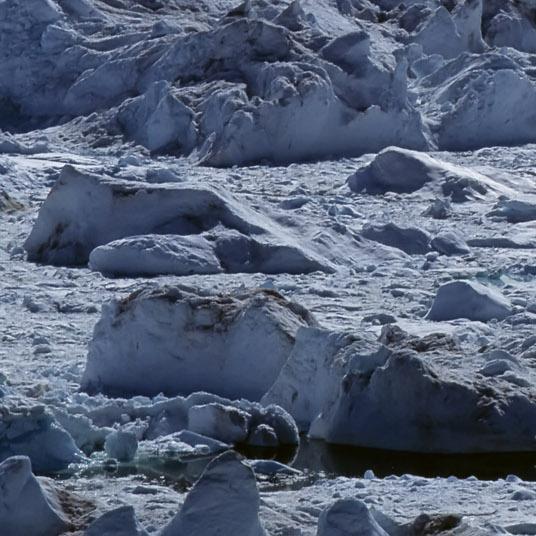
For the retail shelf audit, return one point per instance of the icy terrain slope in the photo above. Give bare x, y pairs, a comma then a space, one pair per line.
254, 228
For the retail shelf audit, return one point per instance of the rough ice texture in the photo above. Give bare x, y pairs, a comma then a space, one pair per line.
178, 342
355, 390
224, 502
471, 300
84, 211
281, 83
28, 507
33, 432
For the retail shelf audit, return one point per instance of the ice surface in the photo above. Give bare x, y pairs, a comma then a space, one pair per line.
138, 99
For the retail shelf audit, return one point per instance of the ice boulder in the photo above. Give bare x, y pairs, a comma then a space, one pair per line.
468, 299
388, 393
408, 404
178, 342
224, 502
220, 422
396, 170
156, 254
410, 240
31, 431
121, 445
450, 243
218, 250
148, 229
482, 101
450, 34
404, 171
240, 421
119, 522
514, 210
28, 507
83, 211
348, 517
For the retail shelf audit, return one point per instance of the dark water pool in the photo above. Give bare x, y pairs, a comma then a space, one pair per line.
353, 461
316, 458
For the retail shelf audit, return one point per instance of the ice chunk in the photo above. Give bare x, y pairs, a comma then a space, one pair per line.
176, 341
33, 432
348, 517
213, 252
355, 390
405, 171
223, 502
271, 467
156, 254
83, 211
407, 404
450, 243
27, 506
224, 423
410, 240
121, 445
310, 380
514, 210
451, 34
468, 299
183, 444
119, 522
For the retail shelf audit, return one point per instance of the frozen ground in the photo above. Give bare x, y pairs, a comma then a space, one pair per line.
398, 297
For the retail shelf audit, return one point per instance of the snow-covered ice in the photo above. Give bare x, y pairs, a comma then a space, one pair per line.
222, 223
